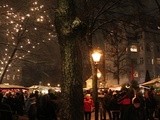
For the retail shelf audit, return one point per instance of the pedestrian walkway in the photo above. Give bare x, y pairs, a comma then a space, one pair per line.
22, 118
93, 118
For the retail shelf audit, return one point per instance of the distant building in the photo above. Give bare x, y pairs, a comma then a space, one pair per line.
143, 54
146, 54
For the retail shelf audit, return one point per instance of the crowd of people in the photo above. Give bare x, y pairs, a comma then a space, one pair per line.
126, 105
119, 105
34, 105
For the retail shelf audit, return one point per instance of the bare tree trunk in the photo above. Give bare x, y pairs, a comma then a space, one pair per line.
72, 92
19, 37
72, 83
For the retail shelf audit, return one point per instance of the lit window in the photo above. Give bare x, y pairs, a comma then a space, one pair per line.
152, 61
135, 74
158, 60
141, 60
133, 48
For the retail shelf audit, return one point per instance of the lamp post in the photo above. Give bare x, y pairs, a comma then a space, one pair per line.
48, 84
96, 56
99, 74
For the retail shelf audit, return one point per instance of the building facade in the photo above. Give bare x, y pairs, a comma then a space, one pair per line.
142, 58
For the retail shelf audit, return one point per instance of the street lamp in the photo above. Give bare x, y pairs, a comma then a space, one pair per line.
99, 74
96, 56
48, 84
58, 85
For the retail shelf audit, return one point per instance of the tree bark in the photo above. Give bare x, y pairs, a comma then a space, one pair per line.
72, 92
69, 41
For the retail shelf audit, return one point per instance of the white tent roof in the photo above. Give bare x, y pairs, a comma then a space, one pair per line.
151, 82
7, 86
39, 87
44, 88
115, 87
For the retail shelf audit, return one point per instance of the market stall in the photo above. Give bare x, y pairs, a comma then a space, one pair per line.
12, 88
115, 87
43, 89
151, 82
8, 86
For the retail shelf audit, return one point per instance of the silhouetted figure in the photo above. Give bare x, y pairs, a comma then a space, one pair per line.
150, 104
10, 100
134, 112
19, 103
47, 108
5, 110
115, 108
32, 108
107, 102
125, 103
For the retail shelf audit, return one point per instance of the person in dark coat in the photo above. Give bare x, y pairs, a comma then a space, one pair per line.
32, 110
135, 111
53, 105
107, 101
150, 104
47, 108
125, 103
5, 110
19, 103
115, 108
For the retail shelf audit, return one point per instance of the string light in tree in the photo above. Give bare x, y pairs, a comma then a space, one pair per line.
33, 37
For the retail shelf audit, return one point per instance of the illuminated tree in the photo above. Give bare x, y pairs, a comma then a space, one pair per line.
10, 27
24, 34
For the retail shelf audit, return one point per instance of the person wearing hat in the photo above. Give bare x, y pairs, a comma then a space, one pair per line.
135, 111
